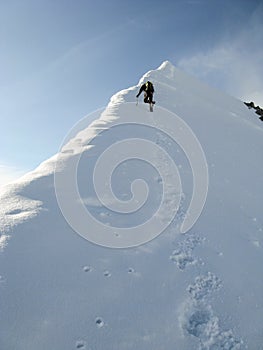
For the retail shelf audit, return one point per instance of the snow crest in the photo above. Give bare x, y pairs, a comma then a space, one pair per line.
197, 290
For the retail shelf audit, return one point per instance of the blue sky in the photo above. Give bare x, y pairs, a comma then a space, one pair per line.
62, 59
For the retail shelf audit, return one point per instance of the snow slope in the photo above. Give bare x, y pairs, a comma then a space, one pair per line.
199, 290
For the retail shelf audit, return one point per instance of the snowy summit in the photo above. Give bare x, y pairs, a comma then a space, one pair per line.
178, 191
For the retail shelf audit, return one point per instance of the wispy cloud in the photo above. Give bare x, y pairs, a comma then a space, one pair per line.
9, 173
233, 65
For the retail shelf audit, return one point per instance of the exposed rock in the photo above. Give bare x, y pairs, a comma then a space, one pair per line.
257, 109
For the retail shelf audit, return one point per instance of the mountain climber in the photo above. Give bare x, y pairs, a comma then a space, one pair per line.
148, 92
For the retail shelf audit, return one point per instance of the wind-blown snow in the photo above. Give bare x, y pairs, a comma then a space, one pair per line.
198, 290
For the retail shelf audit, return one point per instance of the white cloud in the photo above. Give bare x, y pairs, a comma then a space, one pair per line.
228, 70
9, 173
235, 65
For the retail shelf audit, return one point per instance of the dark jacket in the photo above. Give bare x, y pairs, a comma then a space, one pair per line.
146, 87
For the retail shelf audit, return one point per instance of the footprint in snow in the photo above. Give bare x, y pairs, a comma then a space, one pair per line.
107, 273
183, 256
99, 322
201, 323
198, 319
204, 286
87, 268
80, 344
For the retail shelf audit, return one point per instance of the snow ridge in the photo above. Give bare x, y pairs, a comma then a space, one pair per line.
198, 290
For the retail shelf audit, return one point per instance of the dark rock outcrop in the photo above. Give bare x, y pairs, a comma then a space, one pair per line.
257, 109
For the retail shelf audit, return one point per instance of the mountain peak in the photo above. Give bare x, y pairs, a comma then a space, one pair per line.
166, 69
119, 174
166, 65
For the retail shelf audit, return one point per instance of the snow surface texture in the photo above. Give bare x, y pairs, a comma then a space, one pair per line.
198, 290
